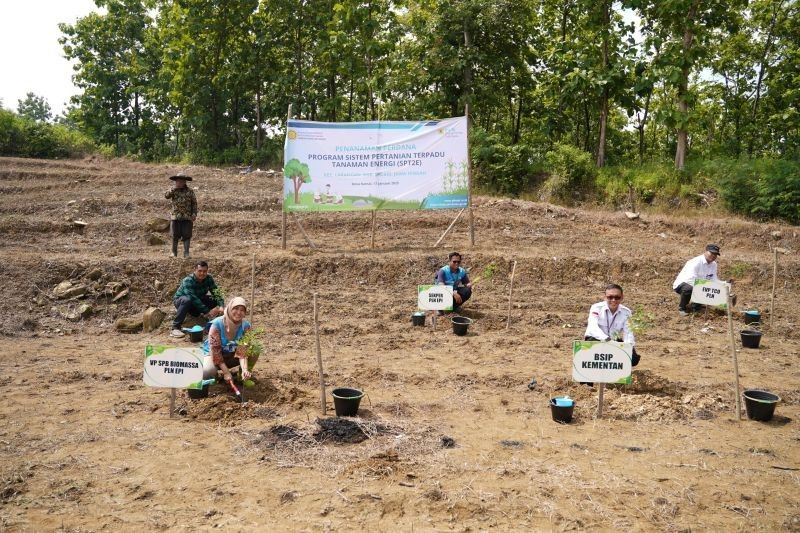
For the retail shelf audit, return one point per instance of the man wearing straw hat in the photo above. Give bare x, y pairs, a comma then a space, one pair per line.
184, 212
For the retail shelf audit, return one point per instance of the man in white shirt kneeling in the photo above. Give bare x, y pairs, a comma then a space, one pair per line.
609, 320
702, 266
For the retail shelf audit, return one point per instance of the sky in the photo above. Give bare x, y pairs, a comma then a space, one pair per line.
31, 60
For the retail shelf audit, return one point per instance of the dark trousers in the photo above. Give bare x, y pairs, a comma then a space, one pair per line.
685, 290
634, 356
184, 306
465, 293
181, 229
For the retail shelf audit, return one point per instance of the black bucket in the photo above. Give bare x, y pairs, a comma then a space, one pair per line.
460, 325
346, 401
198, 394
562, 415
752, 317
751, 338
760, 404
418, 318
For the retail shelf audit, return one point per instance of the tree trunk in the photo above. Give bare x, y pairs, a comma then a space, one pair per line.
601, 141
518, 121
298, 58
761, 71
683, 94
258, 117
352, 90
642, 125
468, 62
586, 124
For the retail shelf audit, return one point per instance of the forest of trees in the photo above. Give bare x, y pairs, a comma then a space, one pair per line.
629, 83
698, 77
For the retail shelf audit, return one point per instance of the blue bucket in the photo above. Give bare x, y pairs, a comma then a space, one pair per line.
565, 401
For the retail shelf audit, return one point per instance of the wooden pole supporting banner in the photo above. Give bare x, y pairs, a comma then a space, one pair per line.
319, 359
469, 183
372, 239
600, 391
305, 235
510, 292
774, 281
453, 223
735, 361
283, 218
471, 226
172, 403
283, 231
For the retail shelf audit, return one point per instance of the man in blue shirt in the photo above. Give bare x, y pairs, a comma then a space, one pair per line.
457, 278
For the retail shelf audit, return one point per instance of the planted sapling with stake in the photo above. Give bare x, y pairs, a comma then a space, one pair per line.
487, 274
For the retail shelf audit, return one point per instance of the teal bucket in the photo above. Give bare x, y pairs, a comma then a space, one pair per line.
752, 317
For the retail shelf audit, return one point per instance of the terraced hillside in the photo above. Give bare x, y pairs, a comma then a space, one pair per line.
456, 438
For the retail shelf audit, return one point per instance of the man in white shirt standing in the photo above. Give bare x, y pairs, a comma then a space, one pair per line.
702, 266
609, 320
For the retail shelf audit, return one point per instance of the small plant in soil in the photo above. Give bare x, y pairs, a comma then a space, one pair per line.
218, 294
487, 274
252, 339
739, 270
641, 320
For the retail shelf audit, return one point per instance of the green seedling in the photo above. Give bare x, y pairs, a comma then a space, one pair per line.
252, 341
487, 274
739, 270
218, 294
641, 320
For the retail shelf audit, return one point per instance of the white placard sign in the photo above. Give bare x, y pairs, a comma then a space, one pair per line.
710, 292
171, 367
601, 362
435, 297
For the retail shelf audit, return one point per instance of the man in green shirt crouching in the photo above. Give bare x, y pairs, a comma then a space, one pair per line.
197, 295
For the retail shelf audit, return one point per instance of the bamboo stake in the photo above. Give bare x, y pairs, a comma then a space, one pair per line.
319, 359
735, 360
305, 235
453, 223
774, 280
372, 239
253, 289
510, 292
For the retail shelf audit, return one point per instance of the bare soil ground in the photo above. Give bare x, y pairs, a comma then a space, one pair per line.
450, 437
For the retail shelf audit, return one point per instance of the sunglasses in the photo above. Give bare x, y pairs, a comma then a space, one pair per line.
614, 297
454, 261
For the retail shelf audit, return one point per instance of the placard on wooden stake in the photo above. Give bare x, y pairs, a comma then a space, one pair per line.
718, 294
172, 368
435, 298
601, 362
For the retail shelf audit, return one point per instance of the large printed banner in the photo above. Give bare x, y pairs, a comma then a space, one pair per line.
352, 166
